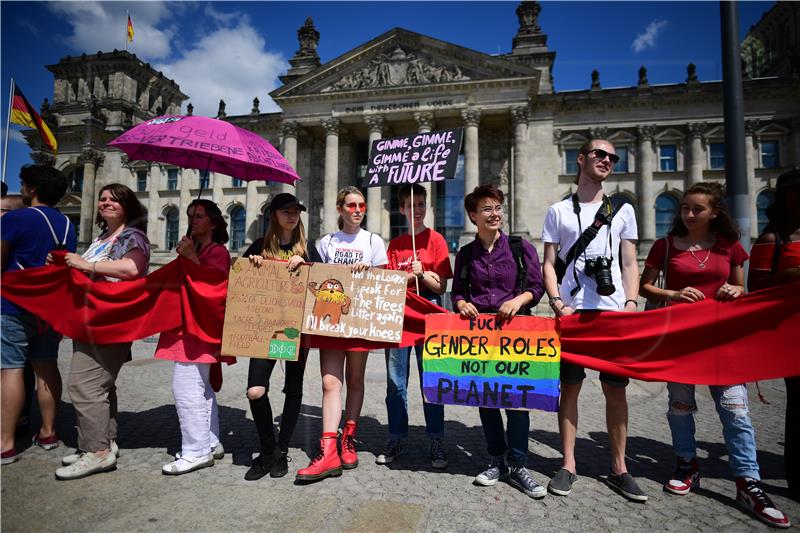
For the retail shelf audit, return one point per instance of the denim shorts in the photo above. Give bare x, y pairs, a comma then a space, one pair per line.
24, 337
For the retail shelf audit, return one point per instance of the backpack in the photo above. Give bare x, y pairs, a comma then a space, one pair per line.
515, 243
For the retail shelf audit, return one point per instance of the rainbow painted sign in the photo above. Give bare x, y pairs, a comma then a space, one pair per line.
476, 363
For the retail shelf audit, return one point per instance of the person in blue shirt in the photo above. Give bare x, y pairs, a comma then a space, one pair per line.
27, 236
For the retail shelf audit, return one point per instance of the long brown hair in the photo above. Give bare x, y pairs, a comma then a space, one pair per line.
341, 195
722, 225
220, 233
272, 239
134, 210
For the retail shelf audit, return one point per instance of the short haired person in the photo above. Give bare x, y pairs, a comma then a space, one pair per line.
430, 269
564, 223
10, 202
27, 236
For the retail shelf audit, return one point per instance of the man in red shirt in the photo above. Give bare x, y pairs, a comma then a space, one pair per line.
429, 269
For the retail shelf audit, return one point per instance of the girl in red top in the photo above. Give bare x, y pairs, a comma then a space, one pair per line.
705, 260
195, 400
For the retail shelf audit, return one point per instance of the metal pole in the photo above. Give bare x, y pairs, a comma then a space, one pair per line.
8, 128
733, 98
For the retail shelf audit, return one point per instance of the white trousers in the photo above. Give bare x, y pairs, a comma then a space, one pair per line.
196, 404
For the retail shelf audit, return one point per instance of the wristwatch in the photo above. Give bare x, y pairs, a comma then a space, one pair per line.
552, 301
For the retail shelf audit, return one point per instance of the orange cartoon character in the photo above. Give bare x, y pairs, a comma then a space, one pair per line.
331, 301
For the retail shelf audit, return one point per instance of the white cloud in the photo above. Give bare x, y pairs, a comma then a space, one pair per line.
102, 26
232, 64
16, 136
647, 39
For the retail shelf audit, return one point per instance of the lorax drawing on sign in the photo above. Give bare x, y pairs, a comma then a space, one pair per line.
331, 301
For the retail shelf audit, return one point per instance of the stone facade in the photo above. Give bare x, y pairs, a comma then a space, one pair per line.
518, 131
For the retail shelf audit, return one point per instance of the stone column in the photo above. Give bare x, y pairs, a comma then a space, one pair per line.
290, 131
217, 194
645, 186
91, 159
751, 141
519, 223
374, 194
331, 175
471, 169
697, 158
153, 207
186, 177
252, 213
424, 125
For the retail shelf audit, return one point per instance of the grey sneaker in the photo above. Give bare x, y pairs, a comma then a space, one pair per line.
626, 485
86, 465
561, 484
497, 470
73, 457
390, 452
438, 457
522, 479
218, 451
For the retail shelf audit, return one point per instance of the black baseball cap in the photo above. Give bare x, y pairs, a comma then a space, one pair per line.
284, 200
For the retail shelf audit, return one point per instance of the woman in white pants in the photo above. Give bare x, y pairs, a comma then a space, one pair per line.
195, 400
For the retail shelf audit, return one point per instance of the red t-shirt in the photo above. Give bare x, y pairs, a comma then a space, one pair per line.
432, 252
683, 269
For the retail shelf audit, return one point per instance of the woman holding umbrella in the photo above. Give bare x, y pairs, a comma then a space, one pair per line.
120, 252
195, 400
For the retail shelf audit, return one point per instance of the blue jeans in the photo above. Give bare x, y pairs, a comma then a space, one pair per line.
25, 337
737, 429
519, 423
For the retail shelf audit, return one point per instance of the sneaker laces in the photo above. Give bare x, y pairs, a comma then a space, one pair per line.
392, 448
683, 471
754, 490
437, 452
525, 476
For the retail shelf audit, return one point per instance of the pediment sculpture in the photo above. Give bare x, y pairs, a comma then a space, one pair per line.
395, 69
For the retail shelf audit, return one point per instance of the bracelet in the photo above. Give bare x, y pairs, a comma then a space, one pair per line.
552, 301
636, 303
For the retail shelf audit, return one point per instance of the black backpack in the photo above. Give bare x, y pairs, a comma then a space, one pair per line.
515, 242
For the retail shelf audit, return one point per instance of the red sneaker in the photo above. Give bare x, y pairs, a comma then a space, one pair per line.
47, 443
685, 478
752, 497
349, 455
325, 464
9, 456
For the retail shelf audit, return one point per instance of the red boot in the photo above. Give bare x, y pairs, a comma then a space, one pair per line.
349, 456
325, 464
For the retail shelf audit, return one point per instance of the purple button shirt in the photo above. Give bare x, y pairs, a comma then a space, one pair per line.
493, 275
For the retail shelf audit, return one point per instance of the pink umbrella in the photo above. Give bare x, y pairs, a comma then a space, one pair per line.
206, 144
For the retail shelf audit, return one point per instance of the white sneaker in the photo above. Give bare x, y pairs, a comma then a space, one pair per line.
219, 451
73, 457
184, 465
86, 465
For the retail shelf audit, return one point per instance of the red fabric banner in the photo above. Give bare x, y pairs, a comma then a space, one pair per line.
707, 342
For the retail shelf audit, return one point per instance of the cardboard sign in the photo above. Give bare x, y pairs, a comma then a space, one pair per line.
264, 310
368, 305
475, 363
420, 158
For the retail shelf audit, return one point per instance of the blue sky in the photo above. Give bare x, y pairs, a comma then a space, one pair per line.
236, 50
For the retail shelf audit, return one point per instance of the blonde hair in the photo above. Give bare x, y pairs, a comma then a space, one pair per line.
341, 195
272, 240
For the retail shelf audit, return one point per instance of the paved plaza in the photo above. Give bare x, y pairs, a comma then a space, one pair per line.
408, 495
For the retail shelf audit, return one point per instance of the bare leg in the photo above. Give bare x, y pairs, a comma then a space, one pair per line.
332, 370
568, 422
13, 398
356, 366
617, 424
48, 393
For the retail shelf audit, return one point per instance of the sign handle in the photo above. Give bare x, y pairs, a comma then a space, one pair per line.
413, 236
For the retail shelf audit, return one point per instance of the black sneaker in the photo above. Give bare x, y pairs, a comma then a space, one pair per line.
438, 457
626, 485
523, 480
261, 466
390, 452
561, 484
281, 466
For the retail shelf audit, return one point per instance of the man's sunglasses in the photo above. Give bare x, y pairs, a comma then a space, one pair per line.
352, 206
602, 154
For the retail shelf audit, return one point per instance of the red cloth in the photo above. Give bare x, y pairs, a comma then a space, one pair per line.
762, 254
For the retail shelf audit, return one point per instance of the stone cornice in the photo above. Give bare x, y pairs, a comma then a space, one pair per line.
471, 116
90, 154
332, 126
519, 114
376, 123
424, 120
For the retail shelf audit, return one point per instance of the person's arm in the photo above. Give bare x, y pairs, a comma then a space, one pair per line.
551, 281
460, 304
630, 274
534, 285
734, 288
186, 248
130, 266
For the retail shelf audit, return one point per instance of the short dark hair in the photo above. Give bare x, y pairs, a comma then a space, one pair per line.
215, 215
134, 210
50, 183
404, 193
490, 190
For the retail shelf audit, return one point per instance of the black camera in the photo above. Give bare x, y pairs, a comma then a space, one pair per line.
600, 269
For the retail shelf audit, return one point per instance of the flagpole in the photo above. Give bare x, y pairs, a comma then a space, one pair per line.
128, 13
8, 129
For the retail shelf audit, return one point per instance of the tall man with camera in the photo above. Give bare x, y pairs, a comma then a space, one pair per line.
590, 241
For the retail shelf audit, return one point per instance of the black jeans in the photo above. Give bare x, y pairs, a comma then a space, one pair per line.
516, 432
258, 376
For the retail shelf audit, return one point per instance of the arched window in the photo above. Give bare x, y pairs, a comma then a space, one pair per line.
237, 228
172, 217
763, 201
75, 177
666, 209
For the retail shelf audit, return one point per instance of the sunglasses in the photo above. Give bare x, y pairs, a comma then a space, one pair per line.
352, 206
602, 154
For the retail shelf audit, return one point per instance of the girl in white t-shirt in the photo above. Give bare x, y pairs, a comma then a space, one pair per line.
351, 245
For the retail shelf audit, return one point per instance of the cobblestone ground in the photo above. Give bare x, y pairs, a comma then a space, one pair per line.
409, 495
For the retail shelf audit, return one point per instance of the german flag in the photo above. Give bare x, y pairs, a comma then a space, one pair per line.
130, 30
23, 113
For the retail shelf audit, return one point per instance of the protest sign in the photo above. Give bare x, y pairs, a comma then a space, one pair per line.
476, 363
419, 158
368, 305
264, 310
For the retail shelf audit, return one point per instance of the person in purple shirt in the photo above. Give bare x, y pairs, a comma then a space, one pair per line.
493, 289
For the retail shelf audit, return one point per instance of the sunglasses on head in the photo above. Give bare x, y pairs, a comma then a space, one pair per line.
352, 206
602, 154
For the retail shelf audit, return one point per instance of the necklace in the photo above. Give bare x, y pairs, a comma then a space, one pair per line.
701, 264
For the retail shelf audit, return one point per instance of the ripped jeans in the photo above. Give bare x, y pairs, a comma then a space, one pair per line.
737, 429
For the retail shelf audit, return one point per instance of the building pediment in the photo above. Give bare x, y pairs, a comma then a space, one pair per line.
399, 59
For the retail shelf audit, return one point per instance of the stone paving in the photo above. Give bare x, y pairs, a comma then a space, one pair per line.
408, 495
